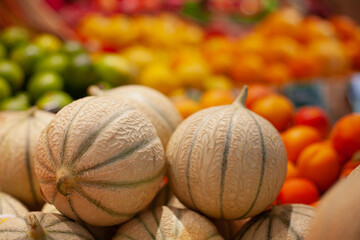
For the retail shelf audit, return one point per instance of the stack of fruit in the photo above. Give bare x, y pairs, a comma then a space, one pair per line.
289, 46
42, 70
101, 160
317, 152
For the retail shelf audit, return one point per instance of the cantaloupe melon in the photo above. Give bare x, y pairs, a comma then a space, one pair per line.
42, 226
100, 161
100, 233
168, 223
229, 228
49, 208
337, 214
155, 105
18, 136
166, 197
6, 114
226, 162
11, 206
283, 222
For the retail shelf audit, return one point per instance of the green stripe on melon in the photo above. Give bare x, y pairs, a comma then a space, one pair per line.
168, 223
155, 105
18, 137
11, 206
291, 221
37, 225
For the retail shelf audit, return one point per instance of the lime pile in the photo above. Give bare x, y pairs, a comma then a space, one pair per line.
48, 72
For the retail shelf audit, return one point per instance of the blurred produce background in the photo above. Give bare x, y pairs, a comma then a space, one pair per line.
309, 50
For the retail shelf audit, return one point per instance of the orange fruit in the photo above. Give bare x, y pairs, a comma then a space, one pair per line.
313, 28
281, 48
192, 73
218, 52
313, 116
305, 65
248, 69
186, 106
345, 135
320, 163
218, 82
297, 138
298, 190
330, 56
352, 50
277, 74
292, 170
314, 204
344, 26
350, 165
281, 22
216, 97
276, 109
160, 77
253, 43
257, 91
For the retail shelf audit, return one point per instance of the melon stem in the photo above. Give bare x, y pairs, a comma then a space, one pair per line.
65, 181
36, 230
31, 111
95, 91
241, 98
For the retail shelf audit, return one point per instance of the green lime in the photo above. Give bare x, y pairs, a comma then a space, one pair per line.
115, 70
80, 72
2, 51
17, 103
53, 101
12, 73
14, 36
27, 56
56, 62
50, 43
72, 48
43, 82
5, 89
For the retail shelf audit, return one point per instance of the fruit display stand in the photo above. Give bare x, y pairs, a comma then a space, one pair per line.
170, 128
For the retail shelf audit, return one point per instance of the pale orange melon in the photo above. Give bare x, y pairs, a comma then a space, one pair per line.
226, 162
10, 206
283, 222
42, 226
336, 216
100, 161
18, 137
168, 223
155, 105
100, 233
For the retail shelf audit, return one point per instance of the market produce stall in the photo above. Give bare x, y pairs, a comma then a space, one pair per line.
177, 119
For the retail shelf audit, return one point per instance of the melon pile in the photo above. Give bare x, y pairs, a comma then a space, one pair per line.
123, 165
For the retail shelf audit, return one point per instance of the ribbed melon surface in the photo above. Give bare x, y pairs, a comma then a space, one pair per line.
168, 223
336, 216
42, 226
18, 137
226, 162
155, 105
100, 160
11, 206
284, 222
